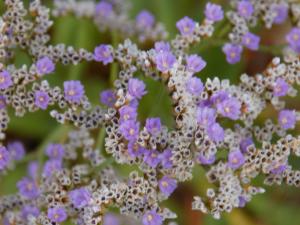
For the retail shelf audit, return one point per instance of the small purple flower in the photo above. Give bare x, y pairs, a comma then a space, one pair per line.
51, 166
278, 168
287, 119
215, 132
2, 102
103, 53
206, 116
245, 9
136, 88
16, 150
108, 98
219, 96
80, 197
165, 61
153, 125
233, 52
55, 151
111, 219
104, 9
195, 63
127, 113
134, 149
242, 201
145, 20
281, 12
32, 169
230, 108
245, 143
280, 87
151, 158
194, 86
29, 210
293, 38
73, 91
28, 188
186, 26
44, 66
41, 99
152, 218
206, 160
129, 129
4, 158
235, 159
213, 12
251, 41
165, 158
5, 80
167, 185
57, 214
162, 46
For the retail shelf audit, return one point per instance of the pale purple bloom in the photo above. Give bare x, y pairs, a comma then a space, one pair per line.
44, 66
251, 41
293, 38
30, 210
153, 125
215, 132
104, 9
233, 52
108, 98
129, 130
32, 169
219, 96
242, 201
167, 185
57, 214
287, 119
127, 113
245, 143
136, 88
4, 158
245, 9
206, 160
80, 197
235, 159
134, 149
2, 102
213, 12
28, 188
16, 150
51, 166
151, 158
41, 99
280, 87
281, 12
5, 80
165, 61
230, 108
195, 63
152, 218
162, 46
103, 53
206, 116
165, 158
145, 19
73, 91
186, 26
55, 151
194, 86
278, 168
111, 219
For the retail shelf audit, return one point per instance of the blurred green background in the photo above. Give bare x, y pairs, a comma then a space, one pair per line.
279, 206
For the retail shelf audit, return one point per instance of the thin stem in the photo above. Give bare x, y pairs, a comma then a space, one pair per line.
114, 66
101, 138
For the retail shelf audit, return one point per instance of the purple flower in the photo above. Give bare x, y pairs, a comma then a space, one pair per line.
278, 168
29, 210
145, 20
55, 151
280, 88
151, 158
73, 91
41, 99
235, 159
245, 9
103, 53
165, 61
245, 143
213, 12
134, 149
186, 26
232, 52
162, 46
219, 96
206, 160
242, 201
57, 214
136, 88
28, 188
215, 132
5, 80
111, 219
2, 102
230, 108
194, 86
51, 166
167, 185
293, 38
129, 129
44, 66
80, 197
206, 116
152, 218
32, 169
4, 158
16, 150
165, 158
108, 98
104, 9
251, 41
153, 125
281, 12
287, 119
195, 63
127, 113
